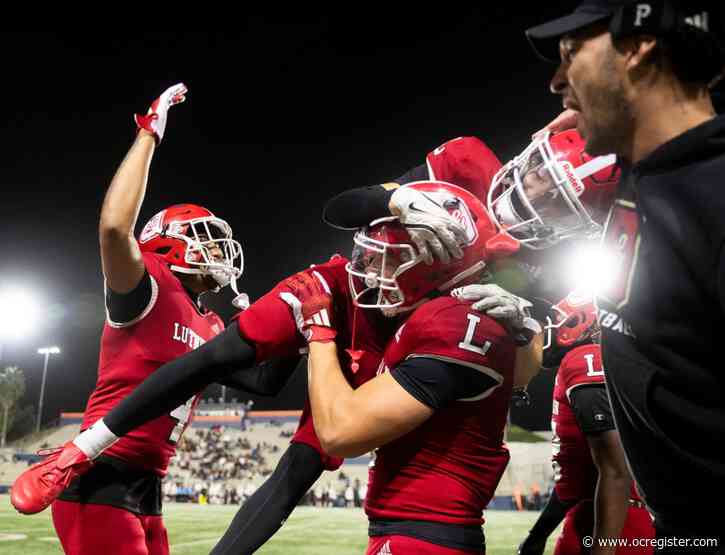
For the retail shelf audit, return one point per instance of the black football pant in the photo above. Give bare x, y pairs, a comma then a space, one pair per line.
550, 517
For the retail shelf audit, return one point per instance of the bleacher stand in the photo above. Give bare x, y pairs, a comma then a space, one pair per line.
219, 463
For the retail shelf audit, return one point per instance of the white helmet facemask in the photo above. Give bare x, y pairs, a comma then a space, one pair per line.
535, 197
203, 236
374, 270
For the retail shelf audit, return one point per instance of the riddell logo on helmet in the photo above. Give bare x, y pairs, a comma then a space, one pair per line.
576, 184
462, 216
152, 228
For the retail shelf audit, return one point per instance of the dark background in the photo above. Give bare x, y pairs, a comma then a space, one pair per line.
280, 116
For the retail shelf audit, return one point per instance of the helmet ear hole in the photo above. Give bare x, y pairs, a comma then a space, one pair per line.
163, 250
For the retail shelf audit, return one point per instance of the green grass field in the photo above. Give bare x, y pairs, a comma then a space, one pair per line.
193, 529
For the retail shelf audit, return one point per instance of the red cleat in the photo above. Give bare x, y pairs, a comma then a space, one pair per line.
42, 483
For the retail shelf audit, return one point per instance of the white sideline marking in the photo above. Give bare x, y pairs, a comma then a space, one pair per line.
12, 537
21, 530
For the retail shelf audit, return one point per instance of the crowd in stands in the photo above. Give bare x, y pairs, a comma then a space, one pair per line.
214, 466
348, 494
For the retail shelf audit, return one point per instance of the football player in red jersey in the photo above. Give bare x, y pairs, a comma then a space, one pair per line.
152, 285
548, 196
553, 190
592, 482
436, 411
268, 328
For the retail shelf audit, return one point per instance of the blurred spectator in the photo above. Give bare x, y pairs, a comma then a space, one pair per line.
318, 495
349, 496
533, 500
249, 490
362, 492
331, 495
356, 493
244, 414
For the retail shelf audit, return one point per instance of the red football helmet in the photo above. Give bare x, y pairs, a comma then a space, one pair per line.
185, 235
574, 320
553, 191
387, 272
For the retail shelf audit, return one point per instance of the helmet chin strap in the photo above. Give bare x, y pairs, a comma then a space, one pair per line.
241, 300
355, 355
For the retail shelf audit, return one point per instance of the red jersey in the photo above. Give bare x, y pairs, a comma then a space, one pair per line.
169, 327
447, 469
575, 474
269, 324
466, 162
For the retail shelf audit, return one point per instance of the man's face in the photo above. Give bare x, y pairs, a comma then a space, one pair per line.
372, 270
541, 190
591, 80
536, 178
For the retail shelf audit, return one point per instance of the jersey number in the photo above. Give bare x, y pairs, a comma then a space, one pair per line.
590, 366
182, 414
467, 344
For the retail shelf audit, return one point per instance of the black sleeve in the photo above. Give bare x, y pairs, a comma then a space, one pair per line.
126, 307
551, 516
176, 381
267, 378
436, 382
356, 208
591, 408
267, 509
418, 173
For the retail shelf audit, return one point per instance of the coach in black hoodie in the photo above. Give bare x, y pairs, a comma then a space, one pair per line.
635, 79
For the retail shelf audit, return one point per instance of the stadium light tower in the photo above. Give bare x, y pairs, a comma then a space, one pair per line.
46, 351
19, 314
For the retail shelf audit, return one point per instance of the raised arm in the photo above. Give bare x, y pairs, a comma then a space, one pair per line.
123, 266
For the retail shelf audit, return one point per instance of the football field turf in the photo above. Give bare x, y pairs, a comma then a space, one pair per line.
193, 529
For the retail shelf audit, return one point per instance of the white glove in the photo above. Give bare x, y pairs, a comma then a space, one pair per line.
499, 304
155, 119
430, 226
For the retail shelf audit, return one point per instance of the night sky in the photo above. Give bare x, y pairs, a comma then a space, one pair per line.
280, 116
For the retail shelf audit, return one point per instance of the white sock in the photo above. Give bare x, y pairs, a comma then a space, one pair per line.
95, 439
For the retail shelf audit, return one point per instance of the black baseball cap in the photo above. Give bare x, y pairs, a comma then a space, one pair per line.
545, 38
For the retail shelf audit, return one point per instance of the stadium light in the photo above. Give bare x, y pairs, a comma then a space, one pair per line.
19, 314
46, 352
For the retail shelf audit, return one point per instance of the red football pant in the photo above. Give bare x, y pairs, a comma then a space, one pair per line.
87, 529
405, 545
638, 526
579, 523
